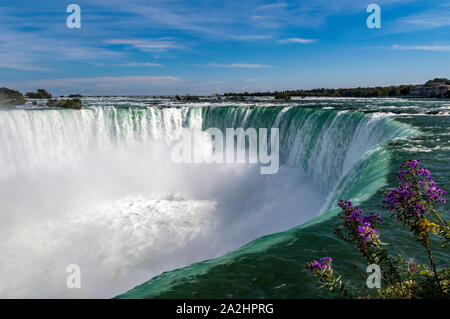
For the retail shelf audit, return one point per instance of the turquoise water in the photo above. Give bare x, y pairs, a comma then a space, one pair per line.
102, 193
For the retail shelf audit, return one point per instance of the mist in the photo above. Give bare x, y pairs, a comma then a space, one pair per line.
123, 211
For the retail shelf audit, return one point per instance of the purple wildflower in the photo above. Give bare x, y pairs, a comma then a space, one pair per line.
417, 187
359, 228
320, 267
366, 232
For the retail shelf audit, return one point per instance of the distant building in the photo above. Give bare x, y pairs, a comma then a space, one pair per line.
430, 89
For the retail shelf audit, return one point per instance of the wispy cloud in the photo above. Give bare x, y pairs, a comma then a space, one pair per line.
224, 21
240, 65
42, 51
102, 85
271, 6
104, 82
298, 40
22, 67
122, 39
432, 19
251, 37
422, 47
147, 45
136, 64
216, 82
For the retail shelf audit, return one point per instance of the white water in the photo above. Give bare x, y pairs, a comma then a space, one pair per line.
97, 188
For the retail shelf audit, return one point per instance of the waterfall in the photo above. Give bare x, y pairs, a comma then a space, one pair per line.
96, 187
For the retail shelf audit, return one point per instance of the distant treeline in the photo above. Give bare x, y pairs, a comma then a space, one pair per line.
401, 90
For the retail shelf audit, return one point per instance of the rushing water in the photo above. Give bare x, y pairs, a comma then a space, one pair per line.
96, 187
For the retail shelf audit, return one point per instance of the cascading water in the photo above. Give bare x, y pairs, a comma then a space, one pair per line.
96, 188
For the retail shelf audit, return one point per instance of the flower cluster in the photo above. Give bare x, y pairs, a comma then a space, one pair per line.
407, 167
424, 227
321, 267
417, 190
434, 192
366, 232
359, 228
399, 195
411, 168
413, 203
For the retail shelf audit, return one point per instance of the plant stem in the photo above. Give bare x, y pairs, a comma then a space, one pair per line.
426, 243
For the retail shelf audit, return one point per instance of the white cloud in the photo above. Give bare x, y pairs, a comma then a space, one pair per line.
23, 67
272, 6
216, 82
240, 65
251, 37
432, 19
227, 20
37, 51
298, 40
422, 47
144, 64
147, 45
105, 83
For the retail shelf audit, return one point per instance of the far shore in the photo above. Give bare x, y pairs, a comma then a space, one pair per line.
436, 88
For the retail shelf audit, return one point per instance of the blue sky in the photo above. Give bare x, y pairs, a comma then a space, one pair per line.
202, 47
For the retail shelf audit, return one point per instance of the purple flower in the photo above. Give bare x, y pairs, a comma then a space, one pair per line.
436, 193
359, 226
322, 266
417, 187
366, 232
423, 172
